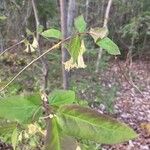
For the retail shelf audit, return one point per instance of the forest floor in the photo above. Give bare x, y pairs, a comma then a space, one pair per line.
131, 106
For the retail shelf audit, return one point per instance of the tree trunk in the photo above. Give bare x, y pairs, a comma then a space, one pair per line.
43, 21
104, 25
1, 43
71, 16
86, 10
44, 80
44, 63
63, 11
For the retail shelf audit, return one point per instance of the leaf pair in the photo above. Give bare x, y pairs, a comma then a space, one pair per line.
99, 35
100, 38
87, 124
69, 120
83, 123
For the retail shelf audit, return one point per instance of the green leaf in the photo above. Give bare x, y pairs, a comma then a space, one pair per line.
57, 141
74, 47
2, 17
109, 46
14, 138
29, 32
80, 23
68, 143
98, 33
51, 33
88, 124
7, 127
53, 139
20, 109
40, 29
61, 97
34, 98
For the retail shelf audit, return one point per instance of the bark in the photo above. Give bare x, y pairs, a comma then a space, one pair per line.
28, 13
104, 25
71, 16
43, 22
1, 41
86, 10
63, 11
102, 12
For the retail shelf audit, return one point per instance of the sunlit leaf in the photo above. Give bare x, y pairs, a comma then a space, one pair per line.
80, 60
80, 23
109, 46
52, 33
70, 64
35, 43
88, 124
32, 129
26, 42
14, 138
98, 33
30, 48
78, 148
81, 63
61, 97
27, 50
20, 109
20, 136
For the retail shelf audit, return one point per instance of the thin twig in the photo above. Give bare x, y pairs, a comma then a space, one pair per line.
129, 81
39, 57
11, 47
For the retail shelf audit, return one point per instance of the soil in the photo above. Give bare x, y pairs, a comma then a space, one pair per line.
132, 106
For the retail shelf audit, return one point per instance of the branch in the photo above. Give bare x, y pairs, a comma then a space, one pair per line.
33, 61
11, 47
39, 57
107, 13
